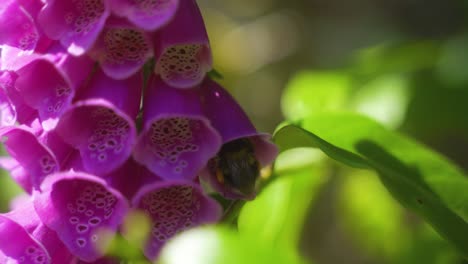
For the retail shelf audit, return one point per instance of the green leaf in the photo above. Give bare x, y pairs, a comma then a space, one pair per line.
371, 212
384, 98
453, 61
397, 57
276, 216
387, 231
418, 178
10, 189
312, 92
214, 245
291, 136
214, 74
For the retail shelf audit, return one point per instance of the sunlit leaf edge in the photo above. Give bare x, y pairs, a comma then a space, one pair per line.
448, 224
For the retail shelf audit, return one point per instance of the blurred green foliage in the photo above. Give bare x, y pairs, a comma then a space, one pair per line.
276, 216
392, 233
214, 245
8, 191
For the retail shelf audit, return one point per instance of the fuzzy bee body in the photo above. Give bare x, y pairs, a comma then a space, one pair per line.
237, 167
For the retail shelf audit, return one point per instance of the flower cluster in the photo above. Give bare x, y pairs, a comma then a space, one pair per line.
106, 107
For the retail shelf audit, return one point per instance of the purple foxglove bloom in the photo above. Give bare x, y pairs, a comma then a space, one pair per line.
19, 201
35, 158
63, 152
149, 15
13, 106
33, 241
233, 124
173, 207
51, 96
177, 140
20, 247
7, 109
76, 23
105, 260
121, 49
78, 206
13, 58
100, 124
17, 24
182, 48
129, 178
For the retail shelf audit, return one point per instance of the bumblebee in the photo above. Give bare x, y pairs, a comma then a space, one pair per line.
236, 166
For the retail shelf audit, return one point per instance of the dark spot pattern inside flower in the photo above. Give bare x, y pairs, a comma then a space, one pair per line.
100, 137
172, 209
109, 135
171, 137
62, 94
92, 206
123, 45
151, 7
85, 15
181, 62
29, 37
34, 254
47, 164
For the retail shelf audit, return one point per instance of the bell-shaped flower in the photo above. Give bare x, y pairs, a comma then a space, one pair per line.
122, 49
129, 178
147, 14
29, 240
35, 158
62, 151
20, 247
7, 108
7, 111
34, 155
51, 96
101, 122
14, 109
173, 207
182, 48
234, 170
82, 209
76, 23
18, 26
177, 140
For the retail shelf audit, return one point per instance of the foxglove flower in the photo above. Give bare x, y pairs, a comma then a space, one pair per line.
18, 25
104, 116
7, 108
20, 245
79, 207
35, 158
51, 96
219, 106
171, 206
130, 177
34, 155
75, 23
88, 145
183, 49
177, 140
32, 241
146, 14
14, 108
174, 206
122, 49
